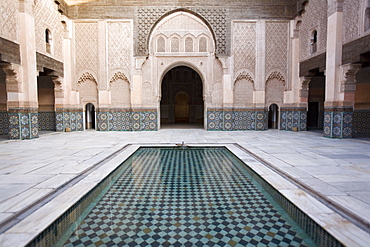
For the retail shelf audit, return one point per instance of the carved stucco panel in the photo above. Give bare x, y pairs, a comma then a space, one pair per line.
276, 46
120, 93
147, 17
86, 45
244, 45
351, 18
243, 92
274, 92
315, 17
9, 19
87, 87
176, 30
48, 17
119, 46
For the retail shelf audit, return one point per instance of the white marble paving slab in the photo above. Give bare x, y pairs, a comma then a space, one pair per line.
354, 205
22, 200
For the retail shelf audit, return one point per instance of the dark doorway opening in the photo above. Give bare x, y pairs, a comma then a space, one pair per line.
316, 99
273, 121
90, 116
182, 98
46, 101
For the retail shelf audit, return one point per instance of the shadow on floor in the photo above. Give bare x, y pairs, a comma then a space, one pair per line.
182, 126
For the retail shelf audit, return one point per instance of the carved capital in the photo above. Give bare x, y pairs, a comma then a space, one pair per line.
305, 83
13, 83
348, 84
58, 86
296, 34
335, 6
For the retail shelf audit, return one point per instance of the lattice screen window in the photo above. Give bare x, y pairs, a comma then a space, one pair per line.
48, 40
313, 42
189, 44
202, 45
161, 45
175, 45
367, 17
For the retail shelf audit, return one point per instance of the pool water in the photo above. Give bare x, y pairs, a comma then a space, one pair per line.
185, 197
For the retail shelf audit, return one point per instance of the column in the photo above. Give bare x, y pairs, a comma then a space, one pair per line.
23, 105
261, 112
293, 115
338, 104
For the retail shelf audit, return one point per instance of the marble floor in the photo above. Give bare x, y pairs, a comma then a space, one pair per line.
40, 178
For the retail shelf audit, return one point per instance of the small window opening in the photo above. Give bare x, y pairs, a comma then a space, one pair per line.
313, 42
367, 17
48, 40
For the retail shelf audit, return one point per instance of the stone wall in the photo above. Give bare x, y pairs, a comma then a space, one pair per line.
244, 46
47, 17
9, 25
314, 18
218, 14
352, 19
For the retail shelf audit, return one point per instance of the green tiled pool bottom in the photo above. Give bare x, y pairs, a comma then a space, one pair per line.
184, 197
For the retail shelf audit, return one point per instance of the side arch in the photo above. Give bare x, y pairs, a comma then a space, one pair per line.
278, 75
84, 77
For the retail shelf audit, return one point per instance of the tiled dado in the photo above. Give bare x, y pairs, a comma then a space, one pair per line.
47, 120
127, 119
4, 123
23, 123
293, 117
361, 123
338, 122
229, 119
69, 118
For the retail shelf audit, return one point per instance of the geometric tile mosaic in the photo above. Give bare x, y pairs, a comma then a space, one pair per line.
23, 123
46, 120
4, 123
189, 197
293, 118
127, 119
361, 123
69, 118
231, 119
338, 122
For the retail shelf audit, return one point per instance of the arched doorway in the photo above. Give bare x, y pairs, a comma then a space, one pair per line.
90, 116
46, 101
273, 121
182, 98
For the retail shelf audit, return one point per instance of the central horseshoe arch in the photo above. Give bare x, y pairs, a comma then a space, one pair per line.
182, 97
